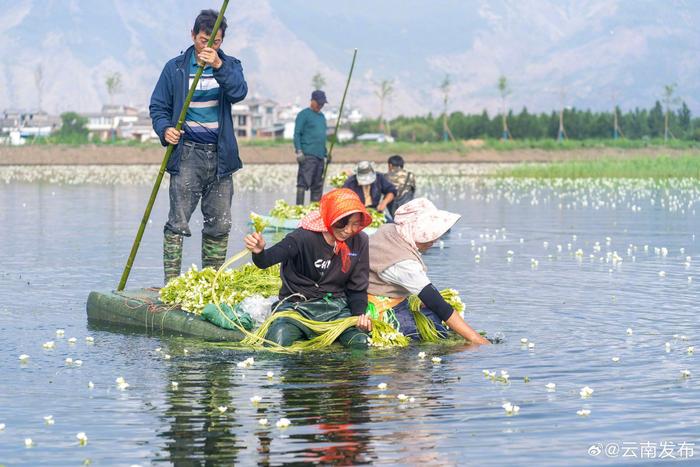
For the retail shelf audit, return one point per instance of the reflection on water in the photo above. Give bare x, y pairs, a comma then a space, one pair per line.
570, 267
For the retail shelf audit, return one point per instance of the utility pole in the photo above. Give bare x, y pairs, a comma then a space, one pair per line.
504, 90
445, 88
386, 89
669, 100
561, 134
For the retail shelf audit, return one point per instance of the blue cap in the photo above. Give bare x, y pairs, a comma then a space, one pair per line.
319, 96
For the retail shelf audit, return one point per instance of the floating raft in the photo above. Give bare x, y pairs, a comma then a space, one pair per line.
275, 224
142, 310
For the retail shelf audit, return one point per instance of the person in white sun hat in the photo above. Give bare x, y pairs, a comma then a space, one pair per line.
374, 189
397, 270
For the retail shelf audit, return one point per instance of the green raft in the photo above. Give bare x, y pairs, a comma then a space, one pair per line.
142, 310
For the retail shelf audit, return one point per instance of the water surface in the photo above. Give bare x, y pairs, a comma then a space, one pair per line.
525, 259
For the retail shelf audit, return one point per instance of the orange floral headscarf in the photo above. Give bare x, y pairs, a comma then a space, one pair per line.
335, 205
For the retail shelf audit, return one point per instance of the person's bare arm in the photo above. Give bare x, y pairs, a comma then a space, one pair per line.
458, 325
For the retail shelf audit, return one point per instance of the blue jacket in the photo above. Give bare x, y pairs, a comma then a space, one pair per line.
169, 96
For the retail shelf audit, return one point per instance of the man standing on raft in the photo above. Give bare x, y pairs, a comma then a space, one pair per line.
206, 153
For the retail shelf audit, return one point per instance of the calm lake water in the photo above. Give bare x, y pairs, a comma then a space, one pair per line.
568, 266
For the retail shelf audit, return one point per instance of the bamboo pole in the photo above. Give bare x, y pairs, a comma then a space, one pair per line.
168, 152
337, 123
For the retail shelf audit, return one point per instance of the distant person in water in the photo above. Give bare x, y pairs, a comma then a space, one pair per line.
325, 264
206, 151
403, 180
397, 270
373, 188
310, 147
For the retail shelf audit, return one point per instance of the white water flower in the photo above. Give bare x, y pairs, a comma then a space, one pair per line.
166, 356
82, 438
551, 386
691, 349
24, 358
685, 373
255, 399
504, 374
411, 399
48, 345
28, 442
531, 345
157, 349
263, 421
49, 419
583, 412
421, 355
91, 385
174, 384
2, 426
121, 383
72, 340
222, 408
662, 274
616, 359
270, 374
667, 345
69, 361
90, 339
523, 340
402, 397
77, 362
60, 332
381, 386
586, 392
283, 423
241, 365
436, 359
511, 409
185, 351
629, 331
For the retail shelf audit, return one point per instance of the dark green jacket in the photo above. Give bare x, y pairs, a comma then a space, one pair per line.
310, 133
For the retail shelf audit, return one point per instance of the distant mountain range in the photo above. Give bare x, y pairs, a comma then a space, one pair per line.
587, 53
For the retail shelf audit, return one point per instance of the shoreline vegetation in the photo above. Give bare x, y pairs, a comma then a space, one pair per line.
459, 146
661, 167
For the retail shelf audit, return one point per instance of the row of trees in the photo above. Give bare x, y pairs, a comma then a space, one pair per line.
578, 124
664, 120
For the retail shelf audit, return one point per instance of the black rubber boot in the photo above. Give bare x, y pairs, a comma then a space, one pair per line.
300, 196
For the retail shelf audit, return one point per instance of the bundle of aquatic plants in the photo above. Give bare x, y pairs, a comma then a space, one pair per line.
282, 210
378, 218
338, 181
258, 222
192, 291
382, 334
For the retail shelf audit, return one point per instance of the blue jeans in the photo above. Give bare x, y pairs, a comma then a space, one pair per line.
197, 180
407, 324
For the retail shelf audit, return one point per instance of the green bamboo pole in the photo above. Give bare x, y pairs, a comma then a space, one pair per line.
168, 152
337, 123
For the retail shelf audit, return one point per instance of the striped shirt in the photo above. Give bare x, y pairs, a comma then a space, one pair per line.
202, 119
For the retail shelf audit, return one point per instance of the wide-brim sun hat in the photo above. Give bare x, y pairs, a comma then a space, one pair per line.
419, 221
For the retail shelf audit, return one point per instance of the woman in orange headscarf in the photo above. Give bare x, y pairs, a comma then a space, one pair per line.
325, 268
